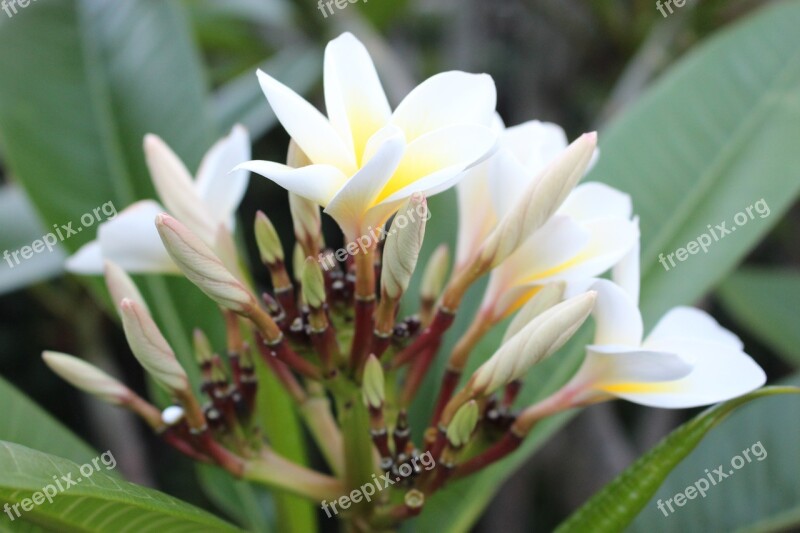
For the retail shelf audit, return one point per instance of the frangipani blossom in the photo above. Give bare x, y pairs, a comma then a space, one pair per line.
206, 204
688, 360
590, 233
367, 159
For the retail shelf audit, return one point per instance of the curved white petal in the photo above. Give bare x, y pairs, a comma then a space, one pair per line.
617, 318
436, 161
476, 215
627, 273
354, 98
358, 194
447, 99
176, 188
619, 370
88, 260
312, 132
691, 323
318, 183
131, 240
535, 144
508, 179
593, 200
720, 372
221, 189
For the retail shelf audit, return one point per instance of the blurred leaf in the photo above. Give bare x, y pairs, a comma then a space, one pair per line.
267, 12
30, 425
99, 503
712, 137
762, 494
21, 226
241, 99
617, 504
766, 301
250, 505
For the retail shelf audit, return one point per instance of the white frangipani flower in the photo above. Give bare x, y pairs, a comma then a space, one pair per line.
590, 233
688, 360
367, 159
206, 204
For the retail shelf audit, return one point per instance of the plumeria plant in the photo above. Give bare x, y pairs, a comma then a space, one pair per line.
334, 338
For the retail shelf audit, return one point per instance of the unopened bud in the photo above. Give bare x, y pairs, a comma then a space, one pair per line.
269, 244
540, 200
435, 273
151, 348
202, 267
463, 424
203, 351
373, 383
87, 377
547, 297
121, 286
543, 336
298, 260
402, 247
313, 284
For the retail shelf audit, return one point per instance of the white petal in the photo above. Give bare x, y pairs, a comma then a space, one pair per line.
627, 272
87, 260
222, 190
619, 370
437, 160
508, 179
721, 372
307, 126
358, 194
354, 98
131, 240
444, 100
617, 318
318, 183
176, 188
694, 324
596, 200
476, 216
535, 144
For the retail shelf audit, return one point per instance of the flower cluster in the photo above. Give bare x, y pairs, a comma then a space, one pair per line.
333, 337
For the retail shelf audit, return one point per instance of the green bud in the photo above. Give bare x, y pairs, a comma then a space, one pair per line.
269, 244
373, 384
313, 284
463, 424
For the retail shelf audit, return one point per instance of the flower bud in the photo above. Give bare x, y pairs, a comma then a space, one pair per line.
373, 383
269, 244
203, 351
202, 267
175, 186
463, 424
543, 336
540, 200
121, 286
435, 273
547, 297
298, 260
87, 377
402, 247
313, 284
151, 348
306, 221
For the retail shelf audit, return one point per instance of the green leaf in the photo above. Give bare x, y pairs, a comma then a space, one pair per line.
30, 425
618, 503
251, 505
765, 301
93, 502
712, 137
241, 100
762, 493
21, 227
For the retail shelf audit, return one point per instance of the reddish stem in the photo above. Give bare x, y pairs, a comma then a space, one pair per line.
441, 323
501, 449
285, 354
362, 335
449, 383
